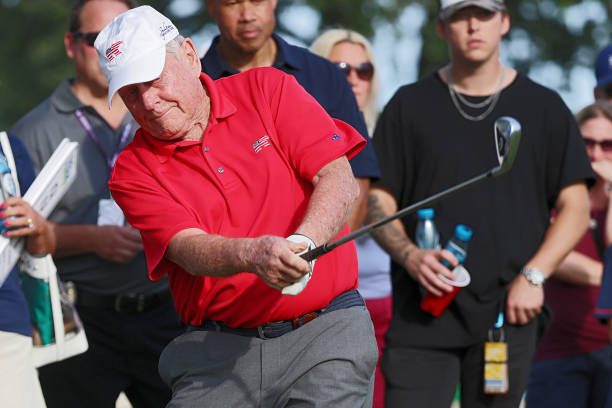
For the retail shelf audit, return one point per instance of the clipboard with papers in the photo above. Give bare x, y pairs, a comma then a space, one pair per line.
48, 188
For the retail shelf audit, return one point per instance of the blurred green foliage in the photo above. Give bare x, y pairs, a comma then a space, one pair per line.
34, 60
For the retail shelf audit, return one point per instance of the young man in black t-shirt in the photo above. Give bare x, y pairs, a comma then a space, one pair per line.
437, 133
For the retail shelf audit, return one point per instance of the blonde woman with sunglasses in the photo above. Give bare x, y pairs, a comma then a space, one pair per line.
352, 53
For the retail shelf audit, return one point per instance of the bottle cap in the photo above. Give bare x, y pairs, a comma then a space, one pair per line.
463, 232
425, 213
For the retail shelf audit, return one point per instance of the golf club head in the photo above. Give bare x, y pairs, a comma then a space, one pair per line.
507, 139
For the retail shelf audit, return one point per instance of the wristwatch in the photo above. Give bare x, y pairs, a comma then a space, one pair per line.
534, 276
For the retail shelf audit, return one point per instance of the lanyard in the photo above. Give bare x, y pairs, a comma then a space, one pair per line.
110, 162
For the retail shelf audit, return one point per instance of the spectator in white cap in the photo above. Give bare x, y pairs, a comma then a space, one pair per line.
435, 133
603, 74
219, 173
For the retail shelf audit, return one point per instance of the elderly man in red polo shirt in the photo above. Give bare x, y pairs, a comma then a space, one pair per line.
219, 173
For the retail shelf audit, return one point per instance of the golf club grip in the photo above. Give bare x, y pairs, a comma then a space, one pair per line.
315, 253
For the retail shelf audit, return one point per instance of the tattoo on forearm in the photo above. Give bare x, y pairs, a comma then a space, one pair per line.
406, 253
374, 210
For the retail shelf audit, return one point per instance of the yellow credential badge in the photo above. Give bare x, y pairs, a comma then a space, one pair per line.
495, 368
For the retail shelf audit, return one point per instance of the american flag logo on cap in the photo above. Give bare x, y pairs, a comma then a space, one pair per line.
113, 50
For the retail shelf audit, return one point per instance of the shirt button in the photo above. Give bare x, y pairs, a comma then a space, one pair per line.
206, 148
220, 170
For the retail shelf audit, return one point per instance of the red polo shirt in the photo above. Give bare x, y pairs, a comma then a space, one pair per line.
249, 176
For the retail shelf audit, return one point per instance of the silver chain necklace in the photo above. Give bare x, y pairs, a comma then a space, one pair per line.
491, 100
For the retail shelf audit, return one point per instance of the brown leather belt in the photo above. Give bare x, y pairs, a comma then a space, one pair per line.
276, 329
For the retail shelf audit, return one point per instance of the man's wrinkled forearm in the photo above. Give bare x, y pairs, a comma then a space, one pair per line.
335, 191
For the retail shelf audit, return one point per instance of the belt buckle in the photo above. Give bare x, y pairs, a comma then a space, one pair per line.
138, 299
261, 334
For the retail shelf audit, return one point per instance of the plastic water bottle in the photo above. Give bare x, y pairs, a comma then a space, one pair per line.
458, 244
427, 236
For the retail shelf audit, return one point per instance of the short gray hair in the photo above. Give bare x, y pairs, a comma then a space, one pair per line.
174, 44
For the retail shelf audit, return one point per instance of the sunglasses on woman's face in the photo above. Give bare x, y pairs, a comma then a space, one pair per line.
605, 145
364, 70
89, 38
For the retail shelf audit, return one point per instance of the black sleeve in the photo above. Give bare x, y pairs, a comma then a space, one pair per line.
391, 146
23, 164
569, 162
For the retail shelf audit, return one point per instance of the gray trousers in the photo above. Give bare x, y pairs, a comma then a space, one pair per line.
329, 362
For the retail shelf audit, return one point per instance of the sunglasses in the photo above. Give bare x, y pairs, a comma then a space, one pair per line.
90, 38
606, 145
364, 70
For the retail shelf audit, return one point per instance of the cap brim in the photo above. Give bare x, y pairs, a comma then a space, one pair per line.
605, 80
144, 69
449, 11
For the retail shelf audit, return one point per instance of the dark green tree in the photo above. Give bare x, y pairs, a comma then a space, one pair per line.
34, 60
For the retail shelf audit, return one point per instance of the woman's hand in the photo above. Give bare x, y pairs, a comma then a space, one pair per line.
23, 221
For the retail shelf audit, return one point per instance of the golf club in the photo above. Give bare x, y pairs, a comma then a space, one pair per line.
507, 137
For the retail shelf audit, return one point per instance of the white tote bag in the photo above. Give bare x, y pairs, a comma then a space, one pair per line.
57, 331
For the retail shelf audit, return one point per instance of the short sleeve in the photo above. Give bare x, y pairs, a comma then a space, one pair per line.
344, 107
569, 162
23, 163
309, 137
389, 145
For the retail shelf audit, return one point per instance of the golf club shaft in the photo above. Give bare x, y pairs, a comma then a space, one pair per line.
325, 248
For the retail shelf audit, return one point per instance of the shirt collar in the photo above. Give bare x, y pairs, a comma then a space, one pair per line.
221, 107
286, 56
215, 65
286, 59
64, 99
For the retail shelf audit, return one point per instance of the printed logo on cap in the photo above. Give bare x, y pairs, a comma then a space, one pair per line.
165, 29
113, 51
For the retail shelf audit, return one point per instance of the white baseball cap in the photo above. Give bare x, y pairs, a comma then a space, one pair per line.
449, 7
132, 47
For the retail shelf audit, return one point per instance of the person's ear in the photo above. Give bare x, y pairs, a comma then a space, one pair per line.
441, 29
211, 7
505, 23
69, 42
191, 55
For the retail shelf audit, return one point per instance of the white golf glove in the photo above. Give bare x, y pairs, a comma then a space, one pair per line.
298, 286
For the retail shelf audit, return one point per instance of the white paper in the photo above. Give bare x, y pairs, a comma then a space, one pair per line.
48, 188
